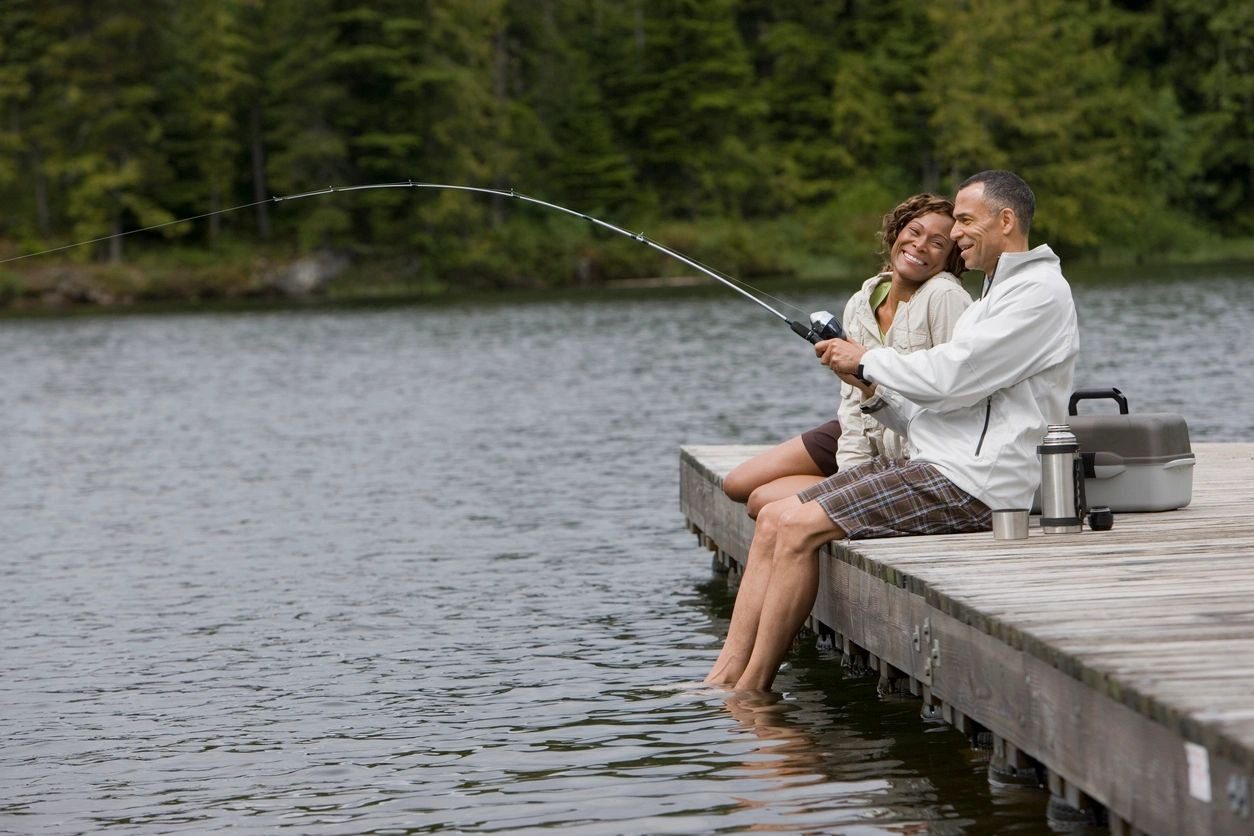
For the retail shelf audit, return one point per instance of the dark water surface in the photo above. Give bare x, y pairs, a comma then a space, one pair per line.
422, 569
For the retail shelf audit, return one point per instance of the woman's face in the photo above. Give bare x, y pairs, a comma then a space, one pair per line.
922, 247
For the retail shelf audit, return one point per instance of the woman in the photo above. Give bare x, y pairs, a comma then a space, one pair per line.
911, 305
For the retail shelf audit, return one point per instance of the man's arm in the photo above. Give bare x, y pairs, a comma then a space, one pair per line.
1031, 329
863, 399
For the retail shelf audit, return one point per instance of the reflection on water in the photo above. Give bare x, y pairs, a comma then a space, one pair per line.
422, 569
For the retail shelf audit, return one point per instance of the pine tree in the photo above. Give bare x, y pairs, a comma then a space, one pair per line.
302, 97
693, 112
1205, 50
25, 135
207, 89
1028, 85
796, 48
110, 164
569, 150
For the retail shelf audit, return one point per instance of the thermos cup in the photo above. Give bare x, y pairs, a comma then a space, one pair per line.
1058, 450
1010, 524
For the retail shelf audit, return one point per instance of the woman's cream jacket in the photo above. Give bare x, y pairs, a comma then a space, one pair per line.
926, 320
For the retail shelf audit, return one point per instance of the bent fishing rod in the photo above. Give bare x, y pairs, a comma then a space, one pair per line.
822, 325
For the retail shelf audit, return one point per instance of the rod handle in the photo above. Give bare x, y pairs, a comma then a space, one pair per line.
804, 331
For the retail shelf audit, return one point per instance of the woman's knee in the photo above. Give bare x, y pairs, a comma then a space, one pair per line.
755, 503
738, 485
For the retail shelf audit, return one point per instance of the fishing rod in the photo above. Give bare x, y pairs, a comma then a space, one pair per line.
822, 325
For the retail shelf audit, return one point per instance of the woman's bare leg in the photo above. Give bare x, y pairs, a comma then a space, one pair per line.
787, 459
781, 488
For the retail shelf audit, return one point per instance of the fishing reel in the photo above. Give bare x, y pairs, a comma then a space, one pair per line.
823, 326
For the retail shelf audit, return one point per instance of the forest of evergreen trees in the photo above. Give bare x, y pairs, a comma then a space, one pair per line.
747, 132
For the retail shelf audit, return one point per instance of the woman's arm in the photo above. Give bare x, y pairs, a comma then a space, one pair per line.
943, 309
854, 448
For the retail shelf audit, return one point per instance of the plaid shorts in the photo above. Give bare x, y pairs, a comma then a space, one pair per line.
890, 499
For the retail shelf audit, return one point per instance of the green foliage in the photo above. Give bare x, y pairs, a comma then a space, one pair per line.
761, 136
1039, 87
208, 85
691, 112
12, 287
106, 155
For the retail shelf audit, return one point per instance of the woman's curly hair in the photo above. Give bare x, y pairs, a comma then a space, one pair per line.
906, 211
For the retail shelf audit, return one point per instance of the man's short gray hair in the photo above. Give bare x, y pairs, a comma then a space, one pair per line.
1005, 189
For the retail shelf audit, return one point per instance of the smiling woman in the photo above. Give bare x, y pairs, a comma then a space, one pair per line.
912, 304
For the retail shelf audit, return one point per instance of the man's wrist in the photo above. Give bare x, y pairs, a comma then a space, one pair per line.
860, 373
873, 404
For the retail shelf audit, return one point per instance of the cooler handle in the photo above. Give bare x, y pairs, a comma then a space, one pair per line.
1097, 394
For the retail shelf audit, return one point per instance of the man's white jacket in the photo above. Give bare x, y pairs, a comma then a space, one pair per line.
977, 406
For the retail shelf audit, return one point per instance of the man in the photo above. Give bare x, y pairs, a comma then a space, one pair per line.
976, 407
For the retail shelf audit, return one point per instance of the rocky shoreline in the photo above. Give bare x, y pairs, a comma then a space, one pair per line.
66, 285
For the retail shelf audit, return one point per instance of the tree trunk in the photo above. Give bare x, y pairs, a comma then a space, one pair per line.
43, 213
929, 172
638, 20
259, 172
115, 243
215, 220
500, 89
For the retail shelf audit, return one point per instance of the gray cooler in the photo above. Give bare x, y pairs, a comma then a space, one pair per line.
1133, 462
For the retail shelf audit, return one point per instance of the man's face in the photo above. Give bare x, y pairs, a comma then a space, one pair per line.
977, 230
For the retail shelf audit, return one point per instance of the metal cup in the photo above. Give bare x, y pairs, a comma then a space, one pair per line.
1010, 524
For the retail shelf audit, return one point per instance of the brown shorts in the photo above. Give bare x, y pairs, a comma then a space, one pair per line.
821, 443
891, 499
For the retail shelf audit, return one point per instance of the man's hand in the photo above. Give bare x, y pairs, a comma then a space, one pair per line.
843, 357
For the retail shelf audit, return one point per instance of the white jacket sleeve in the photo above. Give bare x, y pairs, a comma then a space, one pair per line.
1021, 332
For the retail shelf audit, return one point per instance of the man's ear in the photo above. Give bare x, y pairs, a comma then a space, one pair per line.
1008, 221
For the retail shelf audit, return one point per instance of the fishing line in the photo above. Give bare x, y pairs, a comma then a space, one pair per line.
822, 324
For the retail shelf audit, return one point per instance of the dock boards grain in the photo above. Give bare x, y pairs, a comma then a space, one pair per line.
1123, 661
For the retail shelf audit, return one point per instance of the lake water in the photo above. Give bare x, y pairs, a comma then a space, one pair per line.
422, 568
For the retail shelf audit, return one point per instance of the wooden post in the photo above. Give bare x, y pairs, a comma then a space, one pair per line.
1009, 765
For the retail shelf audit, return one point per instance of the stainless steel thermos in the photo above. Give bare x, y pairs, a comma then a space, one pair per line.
1060, 506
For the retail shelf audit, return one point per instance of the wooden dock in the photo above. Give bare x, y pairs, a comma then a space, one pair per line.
1116, 667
